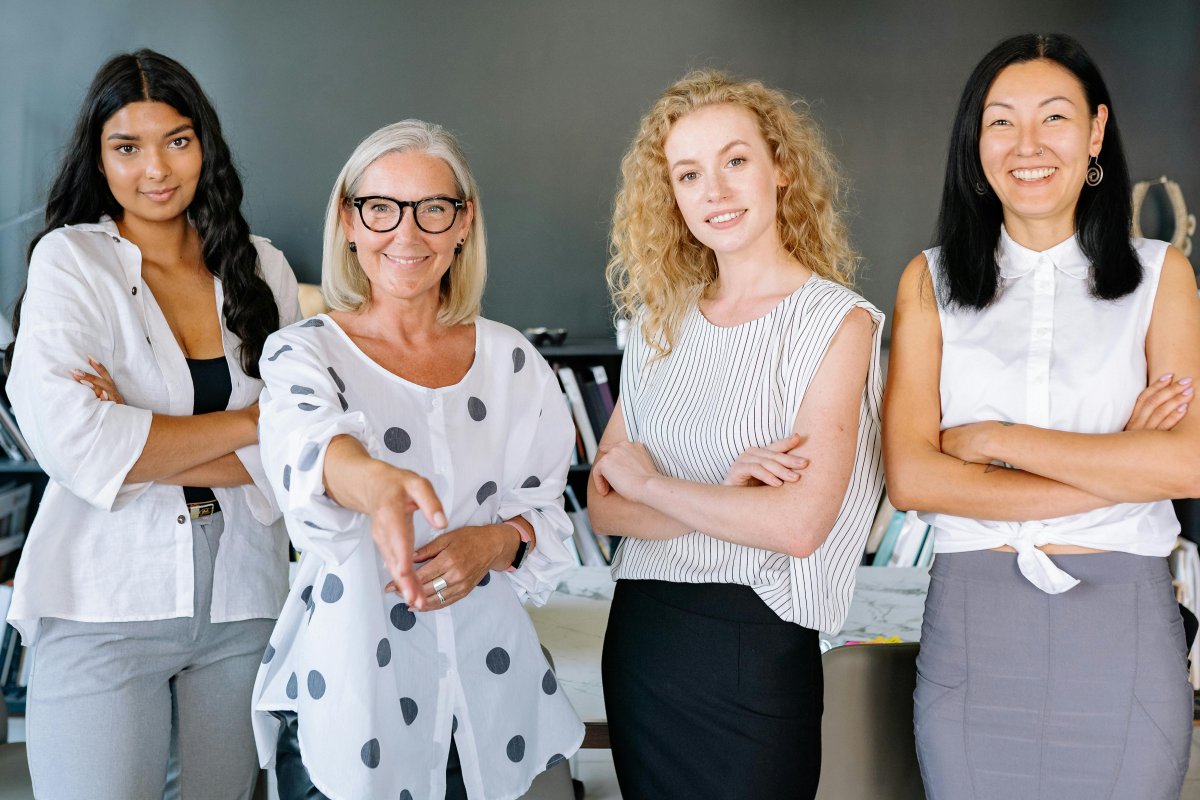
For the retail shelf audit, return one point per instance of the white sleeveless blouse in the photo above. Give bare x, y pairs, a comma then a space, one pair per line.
1047, 353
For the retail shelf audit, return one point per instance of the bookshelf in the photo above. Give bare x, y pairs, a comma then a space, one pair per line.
589, 373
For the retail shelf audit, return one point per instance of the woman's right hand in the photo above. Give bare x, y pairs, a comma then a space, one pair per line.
772, 465
1161, 405
399, 493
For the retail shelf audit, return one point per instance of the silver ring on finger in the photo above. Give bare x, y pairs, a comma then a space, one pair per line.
441, 599
439, 585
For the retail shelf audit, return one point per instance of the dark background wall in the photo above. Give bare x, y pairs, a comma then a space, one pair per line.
546, 94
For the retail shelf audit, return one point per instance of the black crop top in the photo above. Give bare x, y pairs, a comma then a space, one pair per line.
212, 386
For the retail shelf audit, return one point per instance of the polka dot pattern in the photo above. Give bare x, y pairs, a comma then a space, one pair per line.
532, 482
518, 359
332, 589
397, 440
268, 654
280, 352
292, 690
485, 580
402, 618
454, 725
406, 795
370, 754
476, 409
485, 491
498, 660
516, 749
308, 456
408, 708
298, 389
555, 760
313, 323
287, 477
549, 682
383, 652
316, 685
306, 407
342, 401
306, 595
338, 381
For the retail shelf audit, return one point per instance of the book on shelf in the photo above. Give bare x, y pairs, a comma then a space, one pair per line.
600, 377
566, 377
14, 508
591, 546
11, 436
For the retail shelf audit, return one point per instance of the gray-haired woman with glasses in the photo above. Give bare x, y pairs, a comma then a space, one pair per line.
412, 674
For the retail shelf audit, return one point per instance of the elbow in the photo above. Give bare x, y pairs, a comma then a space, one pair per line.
805, 541
900, 491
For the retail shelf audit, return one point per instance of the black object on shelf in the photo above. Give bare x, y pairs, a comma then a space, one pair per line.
1188, 512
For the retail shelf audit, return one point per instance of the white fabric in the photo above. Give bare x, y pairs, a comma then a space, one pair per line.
723, 390
1046, 353
379, 689
101, 549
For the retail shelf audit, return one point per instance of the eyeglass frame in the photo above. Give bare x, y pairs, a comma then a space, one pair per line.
458, 203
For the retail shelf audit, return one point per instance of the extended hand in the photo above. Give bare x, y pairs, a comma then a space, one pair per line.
101, 383
402, 494
625, 467
770, 465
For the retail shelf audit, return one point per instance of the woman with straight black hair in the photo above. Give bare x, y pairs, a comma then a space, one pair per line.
1037, 415
156, 563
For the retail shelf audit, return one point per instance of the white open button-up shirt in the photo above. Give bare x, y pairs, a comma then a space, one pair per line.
101, 549
1047, 353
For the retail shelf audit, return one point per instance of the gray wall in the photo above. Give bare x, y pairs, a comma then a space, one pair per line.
545, 95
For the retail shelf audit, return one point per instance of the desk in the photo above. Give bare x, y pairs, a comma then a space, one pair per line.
888, 601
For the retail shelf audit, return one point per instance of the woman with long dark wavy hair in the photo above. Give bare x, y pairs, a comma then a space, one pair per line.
1037, 415
156, 563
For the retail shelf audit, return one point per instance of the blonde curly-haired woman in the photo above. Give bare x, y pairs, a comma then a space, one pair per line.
743, 461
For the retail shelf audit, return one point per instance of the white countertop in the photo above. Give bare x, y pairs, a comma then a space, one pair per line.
888, 601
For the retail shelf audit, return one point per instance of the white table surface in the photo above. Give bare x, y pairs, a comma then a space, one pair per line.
888, 601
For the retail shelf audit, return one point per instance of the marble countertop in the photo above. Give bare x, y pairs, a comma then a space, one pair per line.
888, 601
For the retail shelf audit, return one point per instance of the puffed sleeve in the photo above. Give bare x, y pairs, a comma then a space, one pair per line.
536, 472
274, 268
301, 409
85, 444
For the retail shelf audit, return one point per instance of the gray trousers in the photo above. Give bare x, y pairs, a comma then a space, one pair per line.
110, 703
1078, 696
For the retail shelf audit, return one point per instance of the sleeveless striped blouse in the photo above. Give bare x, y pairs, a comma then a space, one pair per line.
723, 390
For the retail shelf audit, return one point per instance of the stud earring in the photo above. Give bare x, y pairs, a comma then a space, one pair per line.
458, 247
1095, 173
353, 247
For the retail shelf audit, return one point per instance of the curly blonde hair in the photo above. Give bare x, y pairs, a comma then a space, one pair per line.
657, 269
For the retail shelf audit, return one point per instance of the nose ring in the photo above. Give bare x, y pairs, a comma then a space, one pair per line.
1041, 151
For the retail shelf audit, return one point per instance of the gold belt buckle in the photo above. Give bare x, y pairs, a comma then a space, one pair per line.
202, 510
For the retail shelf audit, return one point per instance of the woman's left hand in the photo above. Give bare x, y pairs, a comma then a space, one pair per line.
461, 558
969, 443
101, 383
624, 468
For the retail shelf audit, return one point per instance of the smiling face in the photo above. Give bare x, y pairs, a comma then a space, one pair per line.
406, 263
725, 181
151, 158
1036, 137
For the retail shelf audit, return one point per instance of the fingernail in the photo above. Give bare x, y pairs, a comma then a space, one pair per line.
1182, 409
1165, 378
1188, 392
1185, 381
439, 519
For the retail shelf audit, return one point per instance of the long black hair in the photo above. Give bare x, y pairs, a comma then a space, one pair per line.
80, 192
968, 226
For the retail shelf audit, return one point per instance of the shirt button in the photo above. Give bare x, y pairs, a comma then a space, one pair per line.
134, 290
116, 238
181, 519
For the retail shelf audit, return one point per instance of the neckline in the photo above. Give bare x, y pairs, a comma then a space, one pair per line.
375, 365
770, 312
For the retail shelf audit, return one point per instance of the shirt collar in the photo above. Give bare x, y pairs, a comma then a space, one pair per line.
104, 225
1066, 256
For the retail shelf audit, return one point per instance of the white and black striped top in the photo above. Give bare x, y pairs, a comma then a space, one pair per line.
723, 390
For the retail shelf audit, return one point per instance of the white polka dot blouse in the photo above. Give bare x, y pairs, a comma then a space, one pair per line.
379, 689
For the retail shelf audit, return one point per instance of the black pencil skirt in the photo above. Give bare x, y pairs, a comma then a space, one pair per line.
710, 694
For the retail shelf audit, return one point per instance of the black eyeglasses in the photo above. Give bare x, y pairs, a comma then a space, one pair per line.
383, 214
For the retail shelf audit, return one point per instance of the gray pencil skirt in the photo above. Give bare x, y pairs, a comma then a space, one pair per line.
1022, 694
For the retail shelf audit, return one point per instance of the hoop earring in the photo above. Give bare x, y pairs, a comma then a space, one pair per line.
353, 247
1095, 173
981, 188
458, 247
